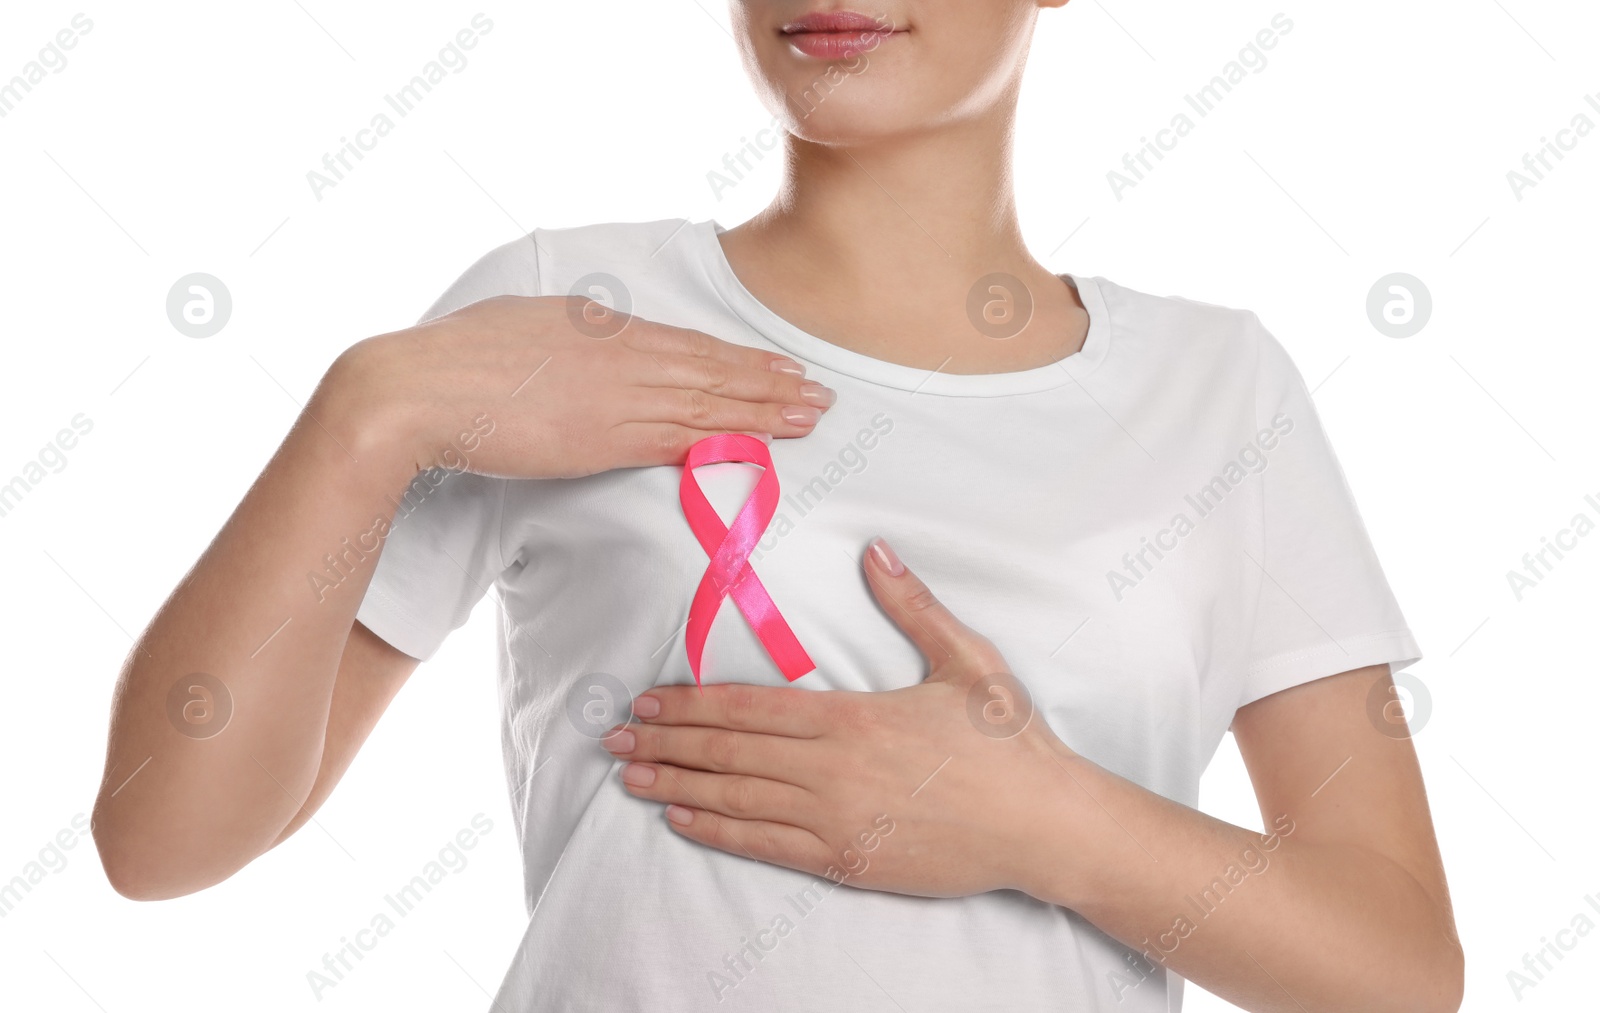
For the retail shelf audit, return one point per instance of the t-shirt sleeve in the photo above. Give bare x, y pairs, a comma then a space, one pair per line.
1325, 606
443, 549
441, 556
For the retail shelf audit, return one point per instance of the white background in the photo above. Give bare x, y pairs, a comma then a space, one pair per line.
178, 138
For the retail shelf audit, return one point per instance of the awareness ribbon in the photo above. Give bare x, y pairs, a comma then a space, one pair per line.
729, 548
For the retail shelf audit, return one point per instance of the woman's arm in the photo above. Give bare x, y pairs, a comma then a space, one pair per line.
248, 694
371, 672
177, 812
1343, 907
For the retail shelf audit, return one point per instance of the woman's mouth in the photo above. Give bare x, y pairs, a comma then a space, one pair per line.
838, 35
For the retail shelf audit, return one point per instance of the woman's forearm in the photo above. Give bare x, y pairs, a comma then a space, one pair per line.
183, 805
1269, 921
219, 715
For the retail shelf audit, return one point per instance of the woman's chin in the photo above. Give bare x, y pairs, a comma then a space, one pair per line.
847, 128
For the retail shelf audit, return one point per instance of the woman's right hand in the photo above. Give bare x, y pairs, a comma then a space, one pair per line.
564, 400
182, 806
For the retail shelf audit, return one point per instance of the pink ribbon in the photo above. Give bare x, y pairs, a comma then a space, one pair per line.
729, 549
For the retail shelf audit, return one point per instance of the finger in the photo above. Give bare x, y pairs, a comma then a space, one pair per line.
711, 413
737, 795
712, 749
651, 336
771, 710
937, 633
643, 444
728, 379
762, 840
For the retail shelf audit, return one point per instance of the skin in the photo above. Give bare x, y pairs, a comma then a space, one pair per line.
897, 198
1351, 913
176, 813
897, 195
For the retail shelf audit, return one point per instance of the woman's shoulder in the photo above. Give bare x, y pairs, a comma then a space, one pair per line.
1136, 303
1171, 323
585, 247
556, 261
612, 237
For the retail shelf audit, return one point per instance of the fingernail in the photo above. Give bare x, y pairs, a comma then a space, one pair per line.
886, 558
621, 742
638, 775
788, 366
679, 815
801, 416
646, 706
815, 393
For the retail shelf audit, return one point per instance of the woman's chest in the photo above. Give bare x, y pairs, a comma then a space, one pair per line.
1054, 553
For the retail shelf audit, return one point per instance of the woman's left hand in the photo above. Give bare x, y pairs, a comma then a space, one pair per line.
930, 790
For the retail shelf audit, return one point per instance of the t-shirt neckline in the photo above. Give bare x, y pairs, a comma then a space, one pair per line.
810, 348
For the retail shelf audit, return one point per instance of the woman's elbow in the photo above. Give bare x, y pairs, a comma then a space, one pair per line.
135, 875
1438, 986
1451, 979
140, 867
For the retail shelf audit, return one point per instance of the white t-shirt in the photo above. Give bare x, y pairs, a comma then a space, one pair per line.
1153, 531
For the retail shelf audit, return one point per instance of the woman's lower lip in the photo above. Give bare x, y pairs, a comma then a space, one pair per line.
837, 45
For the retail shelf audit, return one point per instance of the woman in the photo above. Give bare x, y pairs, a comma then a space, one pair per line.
1127, 500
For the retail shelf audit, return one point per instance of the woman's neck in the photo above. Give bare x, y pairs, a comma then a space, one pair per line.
877, 248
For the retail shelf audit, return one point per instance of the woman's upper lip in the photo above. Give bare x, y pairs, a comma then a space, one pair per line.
837, 21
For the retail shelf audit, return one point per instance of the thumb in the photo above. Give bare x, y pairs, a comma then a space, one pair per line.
937, 633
